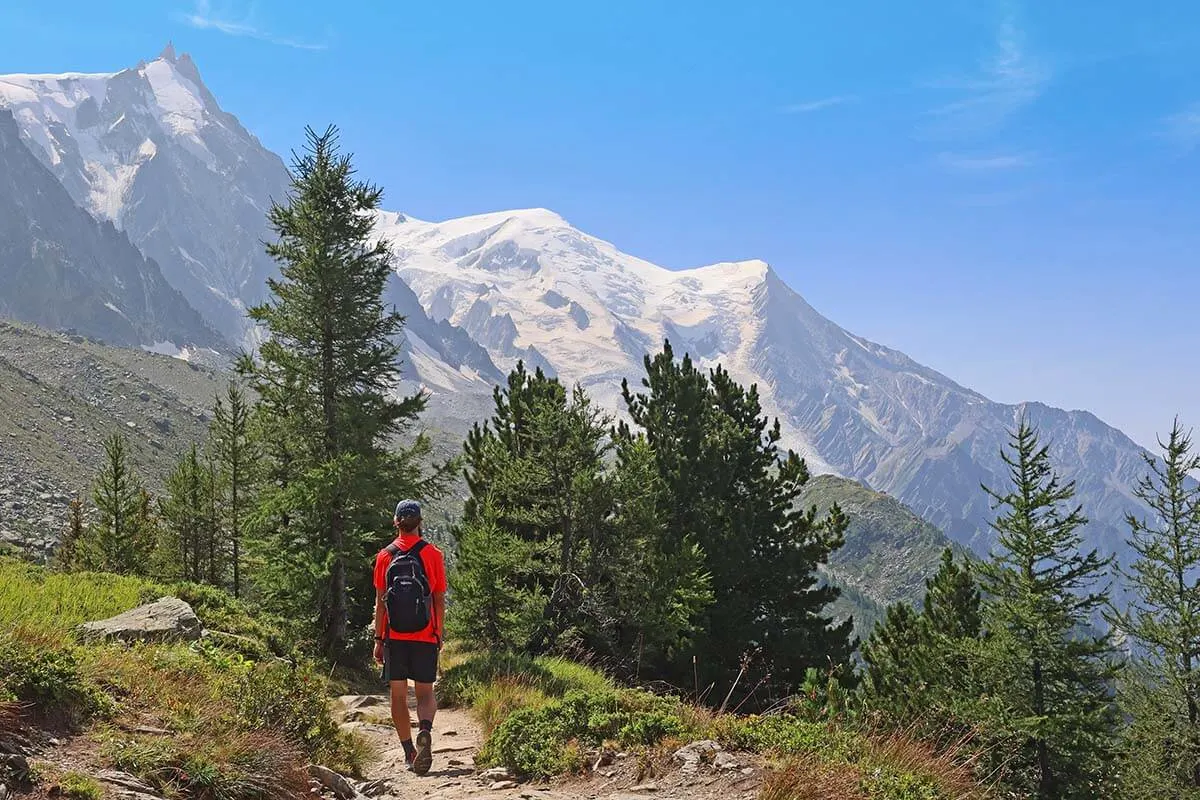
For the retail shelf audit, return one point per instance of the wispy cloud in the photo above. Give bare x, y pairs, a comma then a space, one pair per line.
1008, 79
986, 163
203, 18
817, 105
1183, 127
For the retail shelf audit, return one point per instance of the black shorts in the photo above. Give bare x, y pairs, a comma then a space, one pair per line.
404, 659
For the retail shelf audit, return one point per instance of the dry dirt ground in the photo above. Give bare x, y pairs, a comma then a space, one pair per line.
454, 775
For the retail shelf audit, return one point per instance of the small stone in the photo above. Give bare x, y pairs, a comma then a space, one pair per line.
497, 774
3, 792
499, 786
748, 771
645, 787
54, 742
130, 424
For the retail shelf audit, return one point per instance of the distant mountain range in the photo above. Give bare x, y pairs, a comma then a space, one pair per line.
149, 150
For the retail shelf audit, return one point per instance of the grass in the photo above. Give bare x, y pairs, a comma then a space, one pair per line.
237, 723
78, 786
543, 715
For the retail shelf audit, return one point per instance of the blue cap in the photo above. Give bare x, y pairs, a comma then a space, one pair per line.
408, 508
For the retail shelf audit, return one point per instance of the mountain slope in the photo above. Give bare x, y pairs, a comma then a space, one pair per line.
526, 284
150, 150
62, 396
60, 268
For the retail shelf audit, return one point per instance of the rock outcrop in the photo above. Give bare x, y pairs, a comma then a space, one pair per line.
166, 619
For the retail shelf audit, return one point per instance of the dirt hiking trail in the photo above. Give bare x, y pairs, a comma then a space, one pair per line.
457, 737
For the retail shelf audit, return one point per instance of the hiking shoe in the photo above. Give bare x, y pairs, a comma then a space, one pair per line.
424, 757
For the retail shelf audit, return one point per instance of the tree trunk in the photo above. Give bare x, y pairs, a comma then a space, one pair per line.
1045, 776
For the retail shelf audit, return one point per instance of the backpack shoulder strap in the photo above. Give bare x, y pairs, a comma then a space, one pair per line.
416, 549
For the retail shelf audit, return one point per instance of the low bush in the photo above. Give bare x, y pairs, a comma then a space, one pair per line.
47, 681
294, 702
544, 740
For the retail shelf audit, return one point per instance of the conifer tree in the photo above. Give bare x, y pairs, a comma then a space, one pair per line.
183, 549
555, 550
1052, 672
234, 452
67, 552
727, 487
327, 374
918, 664
1163, 621
118, 539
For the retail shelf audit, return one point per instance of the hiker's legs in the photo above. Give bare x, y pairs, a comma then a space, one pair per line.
400, 710
426, 701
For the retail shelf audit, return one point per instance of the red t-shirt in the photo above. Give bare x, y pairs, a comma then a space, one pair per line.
435, 572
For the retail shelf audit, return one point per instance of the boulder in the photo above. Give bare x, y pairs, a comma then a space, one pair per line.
697, 753
166, 619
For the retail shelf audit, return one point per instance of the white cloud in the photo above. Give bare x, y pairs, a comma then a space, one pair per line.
1009, 79
203, 18
817, 105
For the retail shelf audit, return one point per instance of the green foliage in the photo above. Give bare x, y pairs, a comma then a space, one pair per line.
1161, 746
324, 381
462, 684
537, 742
123, 534
918, 665
50, 604
293, 702
50, 679
724, 486
234, 451
560, 550
1047, 675
78, 786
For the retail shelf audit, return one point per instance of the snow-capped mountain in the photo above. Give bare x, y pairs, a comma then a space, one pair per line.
61, 268
527, 285
150, 150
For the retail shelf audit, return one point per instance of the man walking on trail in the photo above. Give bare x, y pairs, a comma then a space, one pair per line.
410, 587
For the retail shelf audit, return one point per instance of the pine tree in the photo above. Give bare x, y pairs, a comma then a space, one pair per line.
557, 549
727, 488
117, 540
182, 551
327, 374
918, 664
1164, 619
67, 552
234, 452
1044, 660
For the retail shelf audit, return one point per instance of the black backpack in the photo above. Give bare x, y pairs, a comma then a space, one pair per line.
407, 598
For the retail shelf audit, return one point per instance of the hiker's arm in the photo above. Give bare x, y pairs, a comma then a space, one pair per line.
439, 615
378, 624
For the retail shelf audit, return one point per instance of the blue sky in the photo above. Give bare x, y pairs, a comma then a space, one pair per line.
1007, 191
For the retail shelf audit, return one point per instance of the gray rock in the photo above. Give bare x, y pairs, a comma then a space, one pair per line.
332, 781
377, 787
166, 619
502, 785
724, 760
696, 753
497, 774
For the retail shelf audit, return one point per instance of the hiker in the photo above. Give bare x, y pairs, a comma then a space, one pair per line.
410, 586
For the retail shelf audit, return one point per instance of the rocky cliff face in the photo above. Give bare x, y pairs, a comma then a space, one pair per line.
61, 268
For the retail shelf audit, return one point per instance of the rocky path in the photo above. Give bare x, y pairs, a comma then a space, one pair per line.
698, 772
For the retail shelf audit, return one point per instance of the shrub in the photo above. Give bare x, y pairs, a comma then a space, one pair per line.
49, 681
541, 741
293, 701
